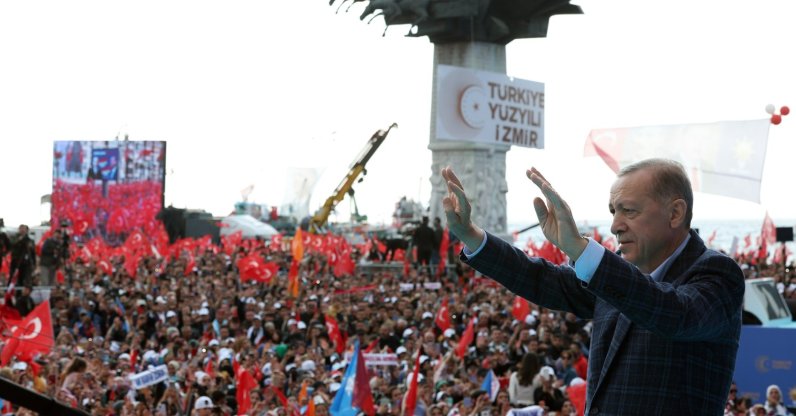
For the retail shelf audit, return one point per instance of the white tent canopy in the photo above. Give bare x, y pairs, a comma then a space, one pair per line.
248, 225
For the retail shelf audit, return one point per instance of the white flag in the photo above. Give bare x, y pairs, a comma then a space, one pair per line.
723, 158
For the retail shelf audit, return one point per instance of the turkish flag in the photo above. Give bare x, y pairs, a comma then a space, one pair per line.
32, 334
443, 318
711, 238
520, 309
362, 397
133, 358
276, 242
334, 334
372, 346
231, 242
285, 403
410, 400
189, 265
345, 265
317, 243
769, 231
244, 387
253, 267
443, 251
105, 266
467, 338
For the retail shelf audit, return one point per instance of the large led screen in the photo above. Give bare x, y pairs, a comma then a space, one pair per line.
108, 188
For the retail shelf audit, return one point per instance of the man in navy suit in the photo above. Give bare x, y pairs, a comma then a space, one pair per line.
666, 313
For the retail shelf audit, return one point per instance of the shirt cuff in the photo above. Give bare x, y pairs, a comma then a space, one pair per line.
588, 261
469, 254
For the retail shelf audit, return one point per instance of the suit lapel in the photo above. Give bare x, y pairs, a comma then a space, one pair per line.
623, 325
693, 249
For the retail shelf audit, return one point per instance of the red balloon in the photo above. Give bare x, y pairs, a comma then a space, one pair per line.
776, 119
784, 110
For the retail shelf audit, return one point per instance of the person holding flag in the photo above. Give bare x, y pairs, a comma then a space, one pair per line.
354, 394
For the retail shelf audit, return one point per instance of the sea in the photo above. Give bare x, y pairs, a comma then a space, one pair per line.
725, 230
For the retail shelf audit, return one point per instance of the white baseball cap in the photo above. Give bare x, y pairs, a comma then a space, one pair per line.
449, 332
428, 315
547, 371
308, 365
203, 402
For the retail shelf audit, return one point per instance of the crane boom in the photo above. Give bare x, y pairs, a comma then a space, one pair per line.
320, 218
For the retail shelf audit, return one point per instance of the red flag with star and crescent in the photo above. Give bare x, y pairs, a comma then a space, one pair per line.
334, 333
443, 318
520, 309
30, 335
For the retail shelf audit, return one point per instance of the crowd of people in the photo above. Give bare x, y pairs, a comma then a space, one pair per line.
266, 347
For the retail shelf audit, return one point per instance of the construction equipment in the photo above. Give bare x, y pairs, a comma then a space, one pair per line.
318, 221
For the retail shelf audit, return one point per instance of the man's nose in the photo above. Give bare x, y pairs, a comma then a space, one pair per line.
617, 225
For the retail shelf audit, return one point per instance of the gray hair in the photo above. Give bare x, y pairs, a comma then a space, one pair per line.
669, 181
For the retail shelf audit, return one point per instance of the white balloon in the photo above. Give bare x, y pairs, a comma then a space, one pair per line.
770, 109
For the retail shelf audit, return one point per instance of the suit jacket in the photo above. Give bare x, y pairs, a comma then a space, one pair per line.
657, 347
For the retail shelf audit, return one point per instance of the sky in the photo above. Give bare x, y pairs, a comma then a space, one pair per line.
241, 91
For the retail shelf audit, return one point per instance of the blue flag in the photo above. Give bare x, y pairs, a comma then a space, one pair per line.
491, 385
341, 405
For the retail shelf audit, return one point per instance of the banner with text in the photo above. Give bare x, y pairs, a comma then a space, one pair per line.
488, 107
376, 360
149, 377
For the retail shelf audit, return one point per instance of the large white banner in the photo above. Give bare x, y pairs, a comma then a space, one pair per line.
488, 107
724, 158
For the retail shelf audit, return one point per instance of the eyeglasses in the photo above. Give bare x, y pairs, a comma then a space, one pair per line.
733, 391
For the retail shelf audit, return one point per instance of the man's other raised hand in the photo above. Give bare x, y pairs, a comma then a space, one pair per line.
457, 212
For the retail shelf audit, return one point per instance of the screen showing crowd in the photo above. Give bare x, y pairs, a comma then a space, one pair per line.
107, 188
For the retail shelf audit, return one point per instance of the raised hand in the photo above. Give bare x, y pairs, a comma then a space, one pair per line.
457, 212
556, 218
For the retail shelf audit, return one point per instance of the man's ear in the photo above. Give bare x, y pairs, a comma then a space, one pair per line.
678, 209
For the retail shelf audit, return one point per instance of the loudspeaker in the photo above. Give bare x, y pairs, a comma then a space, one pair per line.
784, 234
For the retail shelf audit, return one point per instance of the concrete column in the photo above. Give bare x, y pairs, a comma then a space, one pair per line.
481, 167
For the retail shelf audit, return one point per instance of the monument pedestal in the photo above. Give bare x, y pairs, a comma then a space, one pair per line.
480, 167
